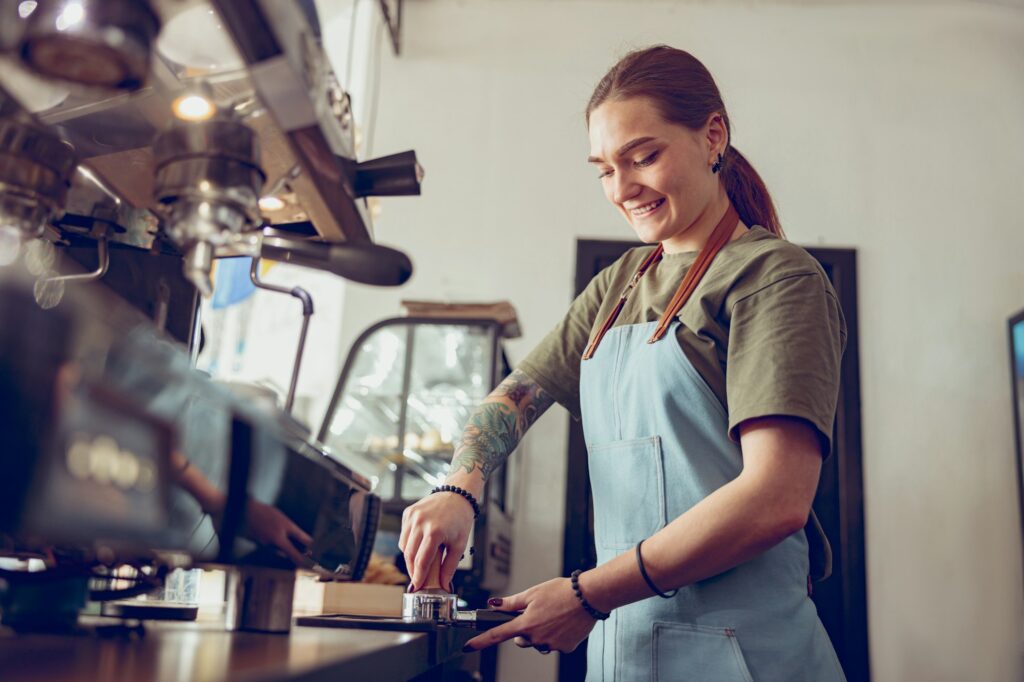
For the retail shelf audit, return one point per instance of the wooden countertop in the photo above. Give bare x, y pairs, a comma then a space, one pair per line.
204, 652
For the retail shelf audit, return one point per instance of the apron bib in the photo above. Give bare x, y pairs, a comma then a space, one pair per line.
658, 444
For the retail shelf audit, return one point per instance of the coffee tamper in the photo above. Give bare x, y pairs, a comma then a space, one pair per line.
435, 604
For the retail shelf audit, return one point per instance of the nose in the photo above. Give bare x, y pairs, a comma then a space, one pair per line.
623, 188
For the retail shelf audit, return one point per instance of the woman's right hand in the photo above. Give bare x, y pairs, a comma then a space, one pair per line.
436, 521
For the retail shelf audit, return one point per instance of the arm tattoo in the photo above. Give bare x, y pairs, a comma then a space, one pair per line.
527, 395
495, 428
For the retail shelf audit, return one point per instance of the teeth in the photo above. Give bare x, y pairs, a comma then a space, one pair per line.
646, 208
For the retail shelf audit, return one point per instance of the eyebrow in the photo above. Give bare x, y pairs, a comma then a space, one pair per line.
624, 149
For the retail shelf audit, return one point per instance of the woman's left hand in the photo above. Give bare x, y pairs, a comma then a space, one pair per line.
552, 619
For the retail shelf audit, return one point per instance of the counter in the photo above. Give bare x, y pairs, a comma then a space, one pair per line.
199, 652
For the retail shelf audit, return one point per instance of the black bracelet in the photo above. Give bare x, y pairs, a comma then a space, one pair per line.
594, 613
647, 578
459, 491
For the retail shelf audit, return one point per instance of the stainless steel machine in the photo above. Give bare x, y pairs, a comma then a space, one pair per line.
140, 141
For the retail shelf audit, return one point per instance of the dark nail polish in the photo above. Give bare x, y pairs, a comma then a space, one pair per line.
466, 649
494, 602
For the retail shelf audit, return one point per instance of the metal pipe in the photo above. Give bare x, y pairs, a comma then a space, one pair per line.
101, 268
307, 312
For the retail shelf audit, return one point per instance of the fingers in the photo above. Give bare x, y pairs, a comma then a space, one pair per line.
426, 554
452, 556
523, 642
302, 536
503, 632
517, 602
412, 544
285, 545
403, 537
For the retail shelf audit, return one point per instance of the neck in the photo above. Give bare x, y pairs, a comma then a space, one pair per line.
693, 237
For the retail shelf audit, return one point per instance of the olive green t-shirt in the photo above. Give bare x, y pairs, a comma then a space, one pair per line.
763, 329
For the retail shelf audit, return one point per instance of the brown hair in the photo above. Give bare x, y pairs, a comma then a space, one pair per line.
685, 93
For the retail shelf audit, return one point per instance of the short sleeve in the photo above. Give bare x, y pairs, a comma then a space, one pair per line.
555, 362
786, 342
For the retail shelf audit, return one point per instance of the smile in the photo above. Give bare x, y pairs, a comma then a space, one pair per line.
647, 209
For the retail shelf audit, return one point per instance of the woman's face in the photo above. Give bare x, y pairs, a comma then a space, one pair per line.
657, 174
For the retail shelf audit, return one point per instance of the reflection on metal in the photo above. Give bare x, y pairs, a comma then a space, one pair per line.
436, 605
307, 312
35, 172
40, 255
260, 599
208, 177
49, 290
100, 44
10, 245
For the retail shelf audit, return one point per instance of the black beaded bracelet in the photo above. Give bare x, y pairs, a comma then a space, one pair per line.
459, 491
594, 613
647, 578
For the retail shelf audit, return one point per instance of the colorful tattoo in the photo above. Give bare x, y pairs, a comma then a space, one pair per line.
527, 395
495, 428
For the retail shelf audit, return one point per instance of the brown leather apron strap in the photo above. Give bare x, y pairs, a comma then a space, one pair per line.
719, 238
653, 258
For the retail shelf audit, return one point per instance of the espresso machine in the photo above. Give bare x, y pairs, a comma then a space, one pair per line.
140, 142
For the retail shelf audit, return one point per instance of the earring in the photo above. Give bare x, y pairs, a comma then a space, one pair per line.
718, 165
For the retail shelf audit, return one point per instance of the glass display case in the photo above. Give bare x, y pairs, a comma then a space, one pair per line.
404, 395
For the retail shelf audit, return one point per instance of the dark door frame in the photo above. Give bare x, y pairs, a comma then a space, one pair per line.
842, 599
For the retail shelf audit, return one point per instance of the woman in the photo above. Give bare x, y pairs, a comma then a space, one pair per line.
705, 368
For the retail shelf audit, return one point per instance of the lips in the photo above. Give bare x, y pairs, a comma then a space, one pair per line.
646, 209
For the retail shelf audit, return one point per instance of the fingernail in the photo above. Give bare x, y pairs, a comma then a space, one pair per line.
466, 649
494, 602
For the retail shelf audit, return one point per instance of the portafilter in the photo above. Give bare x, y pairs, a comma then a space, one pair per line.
208, 180
35, 173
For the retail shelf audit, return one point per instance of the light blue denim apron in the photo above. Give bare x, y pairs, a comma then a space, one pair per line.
658, 445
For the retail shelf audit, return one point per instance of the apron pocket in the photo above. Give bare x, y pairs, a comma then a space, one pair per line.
684, 651
628, 482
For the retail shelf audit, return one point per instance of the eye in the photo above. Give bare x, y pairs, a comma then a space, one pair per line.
646, 161
605, 174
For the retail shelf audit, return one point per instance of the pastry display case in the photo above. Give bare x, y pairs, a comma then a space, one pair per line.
407, 388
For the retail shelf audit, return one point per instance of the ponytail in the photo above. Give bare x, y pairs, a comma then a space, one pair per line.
747, 192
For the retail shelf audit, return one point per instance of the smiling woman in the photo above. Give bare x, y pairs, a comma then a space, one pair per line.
668, 108
705, 447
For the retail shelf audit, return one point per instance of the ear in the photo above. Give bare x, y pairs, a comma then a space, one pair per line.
716, 135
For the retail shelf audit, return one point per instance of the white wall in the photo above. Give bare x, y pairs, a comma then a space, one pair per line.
895, 130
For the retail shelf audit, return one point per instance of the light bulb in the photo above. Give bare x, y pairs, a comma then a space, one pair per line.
193, 107
271, 203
